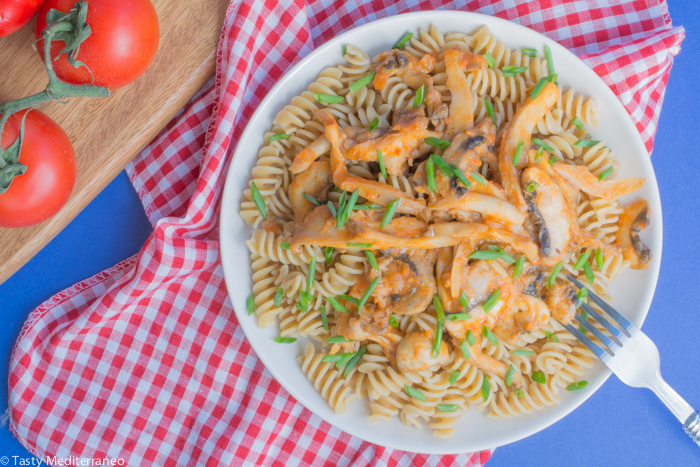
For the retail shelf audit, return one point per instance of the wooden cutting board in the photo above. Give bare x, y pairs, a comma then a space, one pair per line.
108, 133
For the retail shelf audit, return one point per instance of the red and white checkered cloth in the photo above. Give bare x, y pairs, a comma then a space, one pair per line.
146, 361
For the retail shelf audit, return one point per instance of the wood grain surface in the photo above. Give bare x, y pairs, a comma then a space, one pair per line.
108, 133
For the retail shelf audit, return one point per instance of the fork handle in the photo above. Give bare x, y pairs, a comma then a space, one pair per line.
676, 404
692, 427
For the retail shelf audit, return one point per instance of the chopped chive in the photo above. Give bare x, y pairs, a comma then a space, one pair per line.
532, 186
380, 158
353, 361
329, 254
588, 136
513, 70
519, 393
605, 174
447, 407
250, 305
529, 52
420, 96
406, 37
538, 88
285, 245
458, 173
518, 152
367, 207
504, 255
465, 350
278, 296
489, 111
367, 293
362, 82
333, 358
373, 124
490, 336
333, 211
437, 142
585, 143
478, 178
278, 136
458, 316
579, 124
491, 301
338, 339
550, 63
337, 305
345, 49
358, 245
439, 325
430, 172
470, 338
589, 273
542, 144
324, 318
258, 200
312, 273
348, 298
518, 270
538, 156
581, 295
551, 337
348, 208
552, 159
341, 209
485, 389
328, 99
372, 259
538, 377
522, 352
553, 277
346, 357
453, 377
389, 214
489, 58
442, 165
577, 385
582, 329
509, 375
582, 259
483, 254
599, 258
285, 340
415, 393
393, 322
464, 300
311, 198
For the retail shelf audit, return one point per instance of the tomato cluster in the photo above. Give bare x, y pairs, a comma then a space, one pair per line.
122, 43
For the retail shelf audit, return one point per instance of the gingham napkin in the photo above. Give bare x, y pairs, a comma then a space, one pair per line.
146, 362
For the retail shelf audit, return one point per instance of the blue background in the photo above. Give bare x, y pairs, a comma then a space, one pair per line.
618, 425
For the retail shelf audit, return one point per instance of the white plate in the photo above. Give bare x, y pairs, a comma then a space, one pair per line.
633, 291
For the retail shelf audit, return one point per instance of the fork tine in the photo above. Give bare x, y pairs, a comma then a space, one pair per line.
592, 346
593, 330
624, 323
617, 335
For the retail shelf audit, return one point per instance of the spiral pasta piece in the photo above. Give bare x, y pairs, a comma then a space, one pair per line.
326, 379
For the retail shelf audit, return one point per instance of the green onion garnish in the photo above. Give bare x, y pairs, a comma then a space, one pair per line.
509, 71
328, 99
430, 172
367, 293
348, 298
538, 88
489, 58
538, 156
581, 295
485, 389
577, 385
538, 377
278, 136
333, 211
285, 340
532, 186
389, 214
367, 207
278, 296
362, 82
312, 273
442, 165
458, 173
484, 254
470, 338
338, 339
345, 50
589, 273
529, 52
518, 270
453, 377
344, 214
585, 143
458, 316
478, 178
542, 144
551, 337
509, 375
344, 359
437, 142
504, 255
337, 305
519, 393
373, 124
311, 199
522, 352
353, 361
324, 318
605, 174
329, 254
406, 37
464, 300
552, 159
599, 258
489, 335
250, 305
258, 200
447, 407
489, 111
285, 245
420, 96
550, 63
582, 259
381, 163
465, 350
581, 327
358, 245
372, 259
335, 358
393, 321
518, 151
342, 202
553, 277
492, 300
415, 393
438, 327
578, 123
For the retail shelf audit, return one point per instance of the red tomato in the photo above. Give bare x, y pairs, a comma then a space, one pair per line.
16, 13
46, 185
122, 45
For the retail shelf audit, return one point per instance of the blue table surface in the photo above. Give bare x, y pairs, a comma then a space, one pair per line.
618, 425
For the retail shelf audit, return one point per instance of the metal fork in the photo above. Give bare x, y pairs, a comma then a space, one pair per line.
633, 357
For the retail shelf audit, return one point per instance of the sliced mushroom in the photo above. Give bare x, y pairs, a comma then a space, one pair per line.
396, 62
316, 181
582, 178
349, 327
561, 300
634, 218
415, 352
531, 281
